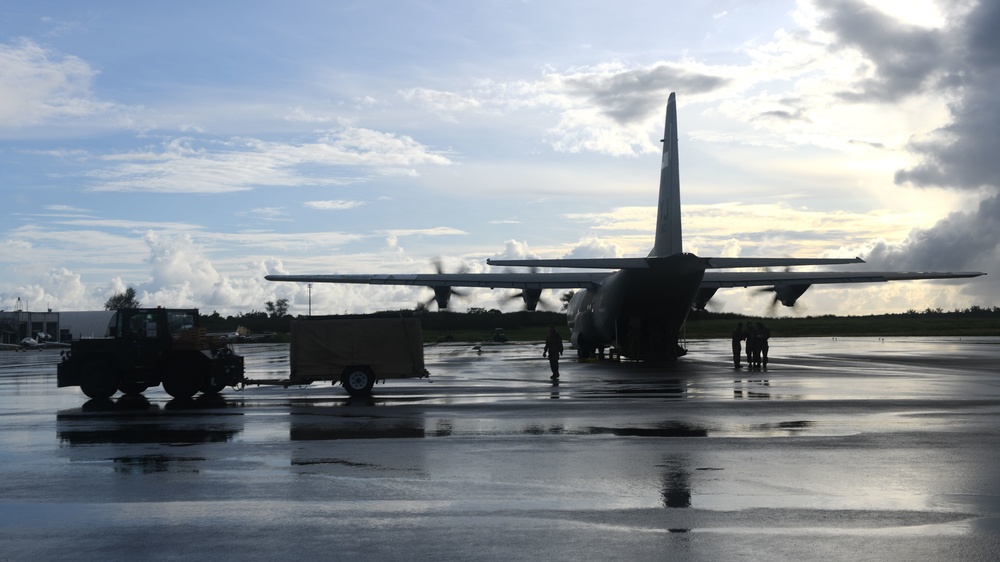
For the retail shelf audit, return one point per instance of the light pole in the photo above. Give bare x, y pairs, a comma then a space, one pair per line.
310, 299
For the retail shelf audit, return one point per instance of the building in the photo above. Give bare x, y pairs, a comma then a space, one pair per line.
84, 325
19, 324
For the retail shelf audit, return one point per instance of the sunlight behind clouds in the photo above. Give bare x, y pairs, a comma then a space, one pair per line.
354, 144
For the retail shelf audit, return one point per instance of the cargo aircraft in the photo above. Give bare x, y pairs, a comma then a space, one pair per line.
639, 305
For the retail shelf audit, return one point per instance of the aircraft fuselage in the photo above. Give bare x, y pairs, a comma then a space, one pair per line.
640, 311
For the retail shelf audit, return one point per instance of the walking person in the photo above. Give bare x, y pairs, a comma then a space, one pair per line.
738, 336
554, 348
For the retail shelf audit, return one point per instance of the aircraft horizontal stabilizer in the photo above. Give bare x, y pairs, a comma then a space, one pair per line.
581, 263
642, 263
732, 263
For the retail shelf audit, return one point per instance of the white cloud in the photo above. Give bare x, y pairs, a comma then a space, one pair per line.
39, 85
299, 114
66, 209
594, 248
822, 84
333, 205
436, 231
444, 104
186, 165
271, 213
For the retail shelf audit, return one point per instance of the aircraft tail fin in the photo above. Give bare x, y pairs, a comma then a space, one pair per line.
668, 210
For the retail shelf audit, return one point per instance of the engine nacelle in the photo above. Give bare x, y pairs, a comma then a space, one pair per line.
788, 294
442, 295
531, 298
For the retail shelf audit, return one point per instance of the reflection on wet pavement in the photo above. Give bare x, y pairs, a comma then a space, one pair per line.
882, 441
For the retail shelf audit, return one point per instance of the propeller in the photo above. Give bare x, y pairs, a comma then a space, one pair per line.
787, 295
531, 297
775, 291
773, 304
443, 293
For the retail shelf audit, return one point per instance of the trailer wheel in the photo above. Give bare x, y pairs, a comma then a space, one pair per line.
182, 379
99, 379
358, 381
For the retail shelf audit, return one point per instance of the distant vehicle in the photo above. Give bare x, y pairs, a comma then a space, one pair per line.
499, 336
354, 352
32, 343
645, 298
39, 342
149, 346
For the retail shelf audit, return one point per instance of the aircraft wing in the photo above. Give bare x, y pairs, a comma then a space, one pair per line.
490, 280
643, 263
719, 280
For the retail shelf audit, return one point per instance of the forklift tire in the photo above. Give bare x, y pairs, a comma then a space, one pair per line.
358, 381
182, 379
99, 379
132, 388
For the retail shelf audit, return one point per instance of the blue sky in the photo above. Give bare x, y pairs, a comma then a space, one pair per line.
189, 149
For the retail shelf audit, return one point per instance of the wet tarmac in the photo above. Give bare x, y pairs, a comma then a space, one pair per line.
857, 448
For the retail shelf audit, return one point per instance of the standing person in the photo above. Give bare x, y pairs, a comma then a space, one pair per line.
762, 336
751, 336
554, 348
738, 336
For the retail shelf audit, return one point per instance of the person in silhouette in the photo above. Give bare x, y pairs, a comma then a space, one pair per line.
738, 336
751, 337
553, 348
763, 334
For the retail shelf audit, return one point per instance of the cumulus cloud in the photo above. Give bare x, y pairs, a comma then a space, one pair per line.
884, 66
890, 63
903, 58
962, 154
602, 108
595, 248
959, 155
181, 275
960, 241
57, 288
38, 85
515, 250
631, 95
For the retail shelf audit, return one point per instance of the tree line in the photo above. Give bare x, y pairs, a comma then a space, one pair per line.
274, 318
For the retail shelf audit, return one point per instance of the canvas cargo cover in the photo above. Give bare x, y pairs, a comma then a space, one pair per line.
390, 347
